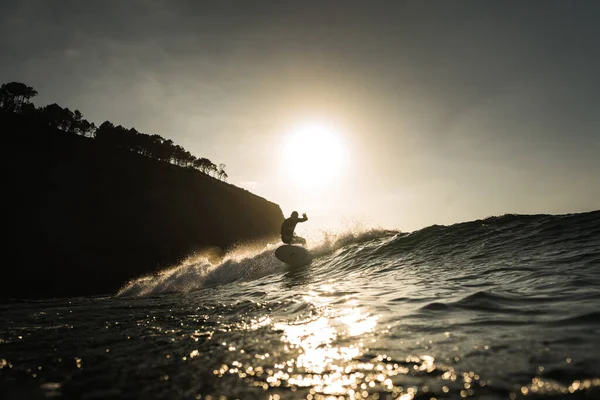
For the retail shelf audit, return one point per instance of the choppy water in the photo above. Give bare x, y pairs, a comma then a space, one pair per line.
501, 308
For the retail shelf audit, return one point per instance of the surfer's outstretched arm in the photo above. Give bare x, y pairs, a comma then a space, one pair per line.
304, 218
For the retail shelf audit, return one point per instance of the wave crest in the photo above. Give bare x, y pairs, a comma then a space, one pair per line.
245, 262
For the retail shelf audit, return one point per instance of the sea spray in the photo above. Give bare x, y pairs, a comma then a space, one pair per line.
244, 262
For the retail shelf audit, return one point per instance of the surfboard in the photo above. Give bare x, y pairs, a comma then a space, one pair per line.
294, 256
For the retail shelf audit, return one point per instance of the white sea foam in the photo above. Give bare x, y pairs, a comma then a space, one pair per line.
245, 262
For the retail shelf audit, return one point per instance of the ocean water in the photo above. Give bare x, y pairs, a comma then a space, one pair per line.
501, 308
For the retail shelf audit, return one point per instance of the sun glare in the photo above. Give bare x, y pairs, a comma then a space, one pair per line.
313, 155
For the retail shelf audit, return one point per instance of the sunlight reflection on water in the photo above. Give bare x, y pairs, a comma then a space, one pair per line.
327, 355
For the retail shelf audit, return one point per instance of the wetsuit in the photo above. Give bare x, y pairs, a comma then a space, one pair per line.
287, 230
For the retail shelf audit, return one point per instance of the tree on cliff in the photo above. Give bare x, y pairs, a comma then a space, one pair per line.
221, 174
161, 148
205, 165
56, 116
153, 146
14, 95
182, 157
65, 119
82, 126
110, 134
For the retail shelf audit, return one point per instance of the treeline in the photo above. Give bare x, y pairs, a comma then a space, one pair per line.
16, 97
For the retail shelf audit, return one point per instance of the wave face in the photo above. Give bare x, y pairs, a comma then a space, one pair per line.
504, 307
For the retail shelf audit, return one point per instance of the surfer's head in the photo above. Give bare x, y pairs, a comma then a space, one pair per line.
295, 214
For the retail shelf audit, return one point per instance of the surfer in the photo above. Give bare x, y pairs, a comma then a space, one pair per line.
287, 229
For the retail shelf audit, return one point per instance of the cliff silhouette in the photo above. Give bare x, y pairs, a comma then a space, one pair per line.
84, 217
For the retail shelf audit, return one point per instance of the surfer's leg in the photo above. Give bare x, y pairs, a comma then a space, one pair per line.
299, 240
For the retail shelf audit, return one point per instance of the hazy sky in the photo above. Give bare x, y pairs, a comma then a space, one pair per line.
447, 110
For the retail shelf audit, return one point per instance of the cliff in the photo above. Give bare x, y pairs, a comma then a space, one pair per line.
84, 218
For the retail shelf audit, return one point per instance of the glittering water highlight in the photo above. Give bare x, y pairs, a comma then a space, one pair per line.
501, 308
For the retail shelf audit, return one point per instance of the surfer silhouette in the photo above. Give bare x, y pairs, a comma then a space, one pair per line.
288, 226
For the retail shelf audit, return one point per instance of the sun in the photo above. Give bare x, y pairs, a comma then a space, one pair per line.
313, 155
